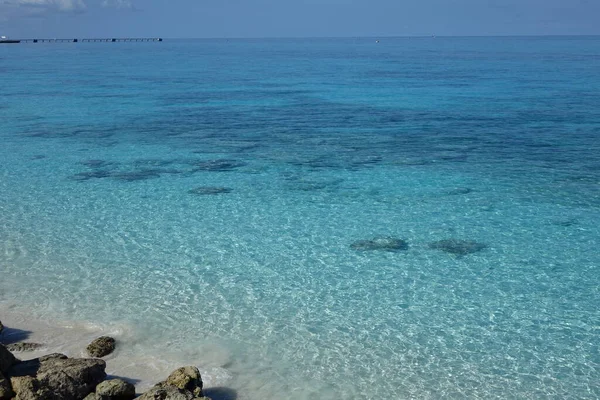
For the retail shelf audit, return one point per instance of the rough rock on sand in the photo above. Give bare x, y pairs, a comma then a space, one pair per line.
52, 378
116, 389
101, 347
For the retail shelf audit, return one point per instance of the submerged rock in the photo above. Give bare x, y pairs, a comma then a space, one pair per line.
115, 389
221, 165
457, 246
101, 347
23, 346
459, 191
380, 243
207, 190
566, 222
7, 360
132, 176
57, 378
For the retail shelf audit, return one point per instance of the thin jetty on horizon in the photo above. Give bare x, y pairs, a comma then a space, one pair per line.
75, 40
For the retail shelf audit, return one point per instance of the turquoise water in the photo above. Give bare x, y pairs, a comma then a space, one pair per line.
312, 146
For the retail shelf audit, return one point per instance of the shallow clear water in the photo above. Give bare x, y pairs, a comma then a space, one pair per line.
322, 143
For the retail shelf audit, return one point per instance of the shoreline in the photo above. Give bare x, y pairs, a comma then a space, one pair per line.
133, 360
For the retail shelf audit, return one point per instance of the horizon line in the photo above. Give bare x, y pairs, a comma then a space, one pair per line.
328, 37
376, 36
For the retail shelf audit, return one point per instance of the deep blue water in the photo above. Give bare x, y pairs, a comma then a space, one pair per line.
313, 145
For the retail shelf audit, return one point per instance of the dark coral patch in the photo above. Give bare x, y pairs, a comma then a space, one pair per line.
132, 176
459, 191
380, 243
221, 165
208, 190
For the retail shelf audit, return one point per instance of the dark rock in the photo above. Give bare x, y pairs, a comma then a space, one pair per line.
23, 346
457, 246
58, 378
7, 360
166, 393
6, 392
116, 389
1, 327
380, 243
101, 347
207, 190
185, 378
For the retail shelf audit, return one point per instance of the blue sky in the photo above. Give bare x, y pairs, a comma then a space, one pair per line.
296, 18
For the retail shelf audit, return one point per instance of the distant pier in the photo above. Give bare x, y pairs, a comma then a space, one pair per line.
109, 40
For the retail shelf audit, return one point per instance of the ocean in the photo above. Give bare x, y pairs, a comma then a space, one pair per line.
223, 201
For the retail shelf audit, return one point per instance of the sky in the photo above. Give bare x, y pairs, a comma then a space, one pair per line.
296, 18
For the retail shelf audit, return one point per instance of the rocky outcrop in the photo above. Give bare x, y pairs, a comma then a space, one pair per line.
380, 243
1, 327
185, 378
7, 360
27, 388
56, 378
457, 247
101, 347
23, 346
115, 389
6, 392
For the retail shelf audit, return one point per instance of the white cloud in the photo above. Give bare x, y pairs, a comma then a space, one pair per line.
61, 5
120, 4
16, 9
